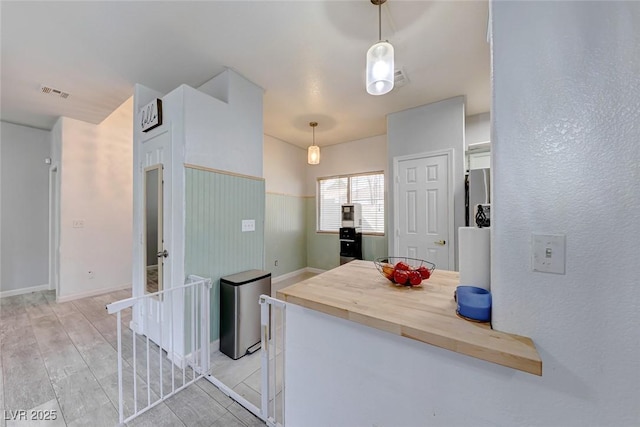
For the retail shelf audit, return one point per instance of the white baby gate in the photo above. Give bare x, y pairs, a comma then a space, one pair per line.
272, 327
185, 312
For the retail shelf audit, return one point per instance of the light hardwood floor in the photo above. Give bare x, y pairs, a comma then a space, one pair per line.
63, 357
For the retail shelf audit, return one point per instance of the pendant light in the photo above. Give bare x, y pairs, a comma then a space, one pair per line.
380, 61
313, 153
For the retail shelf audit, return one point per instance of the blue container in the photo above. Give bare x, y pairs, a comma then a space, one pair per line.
474, 303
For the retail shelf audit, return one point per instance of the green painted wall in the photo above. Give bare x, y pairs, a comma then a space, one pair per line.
375, 247
215, 246
285, 234
323, 249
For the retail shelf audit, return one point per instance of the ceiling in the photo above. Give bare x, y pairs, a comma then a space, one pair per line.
308, 56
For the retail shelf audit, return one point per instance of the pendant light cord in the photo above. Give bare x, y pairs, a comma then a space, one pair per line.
380, 21
313, 129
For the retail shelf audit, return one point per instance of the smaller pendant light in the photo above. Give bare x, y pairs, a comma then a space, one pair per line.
380, 61
313, 153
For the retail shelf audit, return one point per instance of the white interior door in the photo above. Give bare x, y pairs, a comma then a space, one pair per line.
156, 152
424, 208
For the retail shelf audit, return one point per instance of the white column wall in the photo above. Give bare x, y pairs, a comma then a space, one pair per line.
566, 152
428, 128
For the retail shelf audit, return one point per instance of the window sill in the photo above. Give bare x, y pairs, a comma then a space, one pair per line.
337, 232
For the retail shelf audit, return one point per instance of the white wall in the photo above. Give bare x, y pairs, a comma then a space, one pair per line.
477, 129
567, 152
432, 127
96, 187
363, 155
25, 207
285, 167
225, 134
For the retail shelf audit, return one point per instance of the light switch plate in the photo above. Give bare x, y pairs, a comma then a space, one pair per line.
548, 253
248, 225
78, 223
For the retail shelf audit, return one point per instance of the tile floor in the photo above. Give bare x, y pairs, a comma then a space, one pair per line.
63, 357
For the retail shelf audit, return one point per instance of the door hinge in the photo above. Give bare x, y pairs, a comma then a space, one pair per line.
397, 179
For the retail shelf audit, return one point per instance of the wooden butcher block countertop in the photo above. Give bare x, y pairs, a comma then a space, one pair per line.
357, 291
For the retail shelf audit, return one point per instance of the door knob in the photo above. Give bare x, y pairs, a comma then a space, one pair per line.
437, 242
162, 254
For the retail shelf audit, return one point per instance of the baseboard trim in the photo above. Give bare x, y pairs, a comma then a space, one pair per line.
22, 291
288, 275
93, 293
181, 361
296, 273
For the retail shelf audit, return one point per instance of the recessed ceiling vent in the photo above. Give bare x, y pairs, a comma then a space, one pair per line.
54, 92
400, 78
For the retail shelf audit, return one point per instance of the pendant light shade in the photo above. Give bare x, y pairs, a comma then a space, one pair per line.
380, 68
313, 153
380, 61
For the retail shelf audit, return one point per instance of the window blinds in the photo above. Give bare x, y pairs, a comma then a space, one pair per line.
366, 189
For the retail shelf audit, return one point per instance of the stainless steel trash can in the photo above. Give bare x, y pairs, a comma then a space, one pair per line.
240, 311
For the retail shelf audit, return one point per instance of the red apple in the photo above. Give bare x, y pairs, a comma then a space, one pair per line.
424, 272
402, 266
401, 277
415, 278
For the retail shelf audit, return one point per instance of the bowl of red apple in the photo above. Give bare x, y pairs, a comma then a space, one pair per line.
405, 271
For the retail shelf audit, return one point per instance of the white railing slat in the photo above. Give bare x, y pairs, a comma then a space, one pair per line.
199, 289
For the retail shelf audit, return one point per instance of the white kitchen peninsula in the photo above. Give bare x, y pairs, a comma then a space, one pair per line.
363, 352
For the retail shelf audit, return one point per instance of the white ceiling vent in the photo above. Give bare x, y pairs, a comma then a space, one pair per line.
55, 92
400, 78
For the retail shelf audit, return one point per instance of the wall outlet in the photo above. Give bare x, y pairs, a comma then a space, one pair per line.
548, 253
78, 223
248, 225
90, 274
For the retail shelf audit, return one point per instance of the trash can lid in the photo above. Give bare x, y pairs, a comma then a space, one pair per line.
245, 277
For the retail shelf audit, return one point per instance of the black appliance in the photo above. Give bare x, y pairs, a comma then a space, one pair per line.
350, 244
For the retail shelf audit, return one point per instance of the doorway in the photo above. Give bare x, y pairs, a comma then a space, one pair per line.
155, 267
423, 217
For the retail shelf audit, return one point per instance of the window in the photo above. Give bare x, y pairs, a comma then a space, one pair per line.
366, 189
